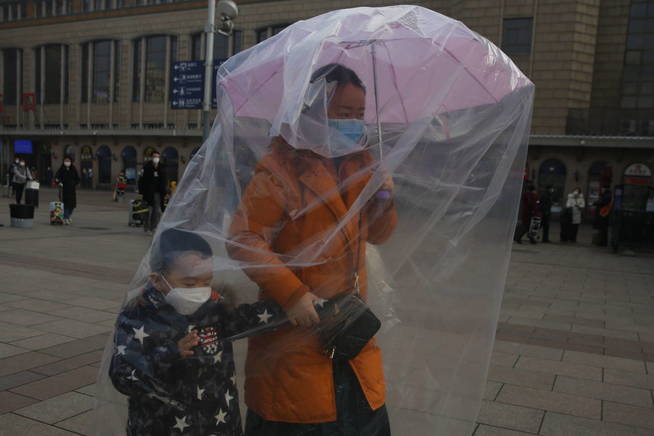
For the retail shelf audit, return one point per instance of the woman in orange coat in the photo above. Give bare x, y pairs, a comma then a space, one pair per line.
295, 208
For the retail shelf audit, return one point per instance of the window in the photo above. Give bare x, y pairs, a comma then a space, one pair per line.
155, 69
11, 11
136, 83
50, 8
267, 32
51, 69
196, 46
104, 164
153, 73
100, 5
516, 35
101, 70
43, 8
221, 46
12, 70
638, 73
129, 163
61, 7
170, 163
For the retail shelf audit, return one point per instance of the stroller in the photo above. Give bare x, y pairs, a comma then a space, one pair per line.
119, 188
138, 213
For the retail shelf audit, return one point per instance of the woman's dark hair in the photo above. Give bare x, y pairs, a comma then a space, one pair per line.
173, 243
338, 73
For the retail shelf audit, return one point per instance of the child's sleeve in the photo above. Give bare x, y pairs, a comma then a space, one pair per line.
251, 319
139, 365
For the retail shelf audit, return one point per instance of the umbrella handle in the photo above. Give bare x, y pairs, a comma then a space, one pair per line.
374, 80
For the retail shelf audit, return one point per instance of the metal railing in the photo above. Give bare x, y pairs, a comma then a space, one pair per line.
610, 122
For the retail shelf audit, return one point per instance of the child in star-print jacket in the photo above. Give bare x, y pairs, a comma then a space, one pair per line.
169, 358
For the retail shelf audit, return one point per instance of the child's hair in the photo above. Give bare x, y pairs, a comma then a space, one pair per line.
172, 243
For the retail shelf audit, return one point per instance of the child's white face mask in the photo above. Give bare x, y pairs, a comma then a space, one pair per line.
187, 300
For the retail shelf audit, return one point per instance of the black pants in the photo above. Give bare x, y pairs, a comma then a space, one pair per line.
569, 231
355, 418
19, 188
574, 229
546, 228
155, 213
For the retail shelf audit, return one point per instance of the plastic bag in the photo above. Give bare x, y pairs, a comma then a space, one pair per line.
368, 151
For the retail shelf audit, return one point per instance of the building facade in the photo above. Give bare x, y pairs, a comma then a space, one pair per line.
91, 79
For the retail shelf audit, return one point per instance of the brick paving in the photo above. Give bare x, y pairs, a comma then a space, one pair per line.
574, 351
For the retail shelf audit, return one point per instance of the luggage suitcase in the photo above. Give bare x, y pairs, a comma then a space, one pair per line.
138, 213
32, 197
56, 212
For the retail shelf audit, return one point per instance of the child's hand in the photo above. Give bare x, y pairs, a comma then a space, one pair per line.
186, 343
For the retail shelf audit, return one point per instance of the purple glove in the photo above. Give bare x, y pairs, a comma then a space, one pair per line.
383, 194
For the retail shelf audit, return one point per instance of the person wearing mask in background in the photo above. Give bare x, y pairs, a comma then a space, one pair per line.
21, 175
546, 211
153, 188
68, 179
574, 206
10, 175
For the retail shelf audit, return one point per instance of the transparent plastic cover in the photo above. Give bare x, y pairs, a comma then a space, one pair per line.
350, 213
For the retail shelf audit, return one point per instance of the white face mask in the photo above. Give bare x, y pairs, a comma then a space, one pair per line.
67, 164
187, 300
155, 160
22, 164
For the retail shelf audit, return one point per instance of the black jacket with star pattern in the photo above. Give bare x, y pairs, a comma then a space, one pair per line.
170, 395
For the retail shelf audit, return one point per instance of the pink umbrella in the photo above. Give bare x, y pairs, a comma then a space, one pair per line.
420, 65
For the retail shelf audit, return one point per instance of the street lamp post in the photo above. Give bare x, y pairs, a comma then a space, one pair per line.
228, 11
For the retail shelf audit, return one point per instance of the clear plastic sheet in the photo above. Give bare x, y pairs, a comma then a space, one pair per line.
366, 163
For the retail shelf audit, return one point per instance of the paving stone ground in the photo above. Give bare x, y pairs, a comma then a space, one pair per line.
574, 351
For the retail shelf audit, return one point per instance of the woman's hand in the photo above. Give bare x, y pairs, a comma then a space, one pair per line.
388, 184
303, 313
186, 344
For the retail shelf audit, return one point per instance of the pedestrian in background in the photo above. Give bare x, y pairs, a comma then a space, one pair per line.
545, 203
21, 175
572, 216
10, 175
528, 210
68, 179
603, 208
153, 188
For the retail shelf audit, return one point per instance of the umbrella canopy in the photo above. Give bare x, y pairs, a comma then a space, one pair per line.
419, 62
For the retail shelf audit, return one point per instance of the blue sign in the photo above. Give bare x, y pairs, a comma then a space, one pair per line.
23, 146
187, 85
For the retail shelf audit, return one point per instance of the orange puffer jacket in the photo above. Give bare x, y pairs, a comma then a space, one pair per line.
286, 228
